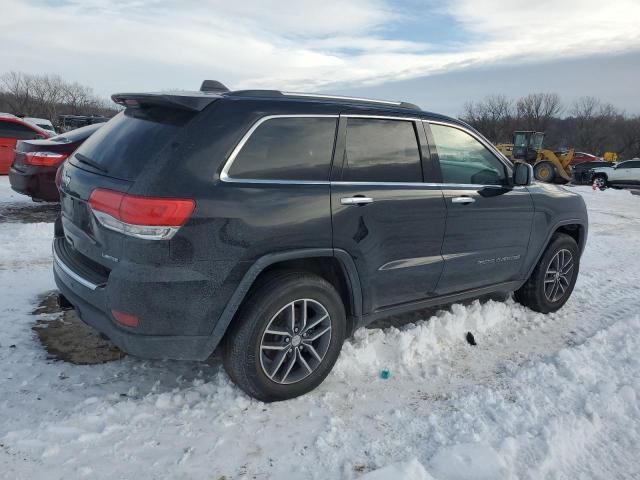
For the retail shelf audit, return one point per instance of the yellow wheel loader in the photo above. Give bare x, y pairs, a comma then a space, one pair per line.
548, 166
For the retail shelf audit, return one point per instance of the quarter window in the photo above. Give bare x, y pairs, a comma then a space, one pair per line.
381, 151
464, 160
287, 148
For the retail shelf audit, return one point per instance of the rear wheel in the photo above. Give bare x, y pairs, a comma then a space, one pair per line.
552, 281
286, 337
544, 171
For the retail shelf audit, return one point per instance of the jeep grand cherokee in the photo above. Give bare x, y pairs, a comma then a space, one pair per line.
274, 224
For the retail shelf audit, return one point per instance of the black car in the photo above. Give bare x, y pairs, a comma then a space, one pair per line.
34, 168
274, 224
581, 173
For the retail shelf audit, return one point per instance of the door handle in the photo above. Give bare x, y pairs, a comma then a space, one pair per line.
463, 200
356, 200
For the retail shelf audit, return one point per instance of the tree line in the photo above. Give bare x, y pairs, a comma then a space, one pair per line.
47, 96
588, 124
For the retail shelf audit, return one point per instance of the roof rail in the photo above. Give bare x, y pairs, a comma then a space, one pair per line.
278, 93
356, 99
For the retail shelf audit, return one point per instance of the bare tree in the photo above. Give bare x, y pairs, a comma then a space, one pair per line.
19, 90
536, 110
493, 116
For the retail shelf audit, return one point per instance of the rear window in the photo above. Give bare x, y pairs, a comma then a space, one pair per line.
123, 146
16, 130
287, 148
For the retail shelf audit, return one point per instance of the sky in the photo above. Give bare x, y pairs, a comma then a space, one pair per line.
433, 53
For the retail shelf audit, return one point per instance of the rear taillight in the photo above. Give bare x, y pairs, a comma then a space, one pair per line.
126, 319
44, 159
150, 218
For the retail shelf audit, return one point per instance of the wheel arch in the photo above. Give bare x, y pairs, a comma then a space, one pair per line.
575, 228
334, 265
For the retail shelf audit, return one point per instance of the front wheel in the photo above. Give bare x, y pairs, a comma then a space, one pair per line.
286, 337
544, 171
552, 281
600, 181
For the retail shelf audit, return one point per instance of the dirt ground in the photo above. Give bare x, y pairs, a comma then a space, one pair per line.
65, 337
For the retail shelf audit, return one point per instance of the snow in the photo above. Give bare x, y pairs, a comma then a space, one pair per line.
540, 396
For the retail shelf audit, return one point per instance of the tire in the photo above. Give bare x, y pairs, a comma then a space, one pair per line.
600, 181
535, 292
544, 171
255, 359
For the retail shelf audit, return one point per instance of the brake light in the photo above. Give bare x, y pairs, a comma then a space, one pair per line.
44, 159
151, 218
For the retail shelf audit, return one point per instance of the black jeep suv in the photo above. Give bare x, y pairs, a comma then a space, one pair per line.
274, 224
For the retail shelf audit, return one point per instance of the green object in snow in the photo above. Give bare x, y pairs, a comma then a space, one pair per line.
385, 374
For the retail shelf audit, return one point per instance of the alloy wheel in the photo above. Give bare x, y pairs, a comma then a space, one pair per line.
295, 341
558, 275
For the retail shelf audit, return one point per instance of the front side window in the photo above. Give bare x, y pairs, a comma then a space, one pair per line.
287, 148
464, 160
381, 150
631, 164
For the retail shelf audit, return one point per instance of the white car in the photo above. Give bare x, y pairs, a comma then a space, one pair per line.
41, 122
623, 174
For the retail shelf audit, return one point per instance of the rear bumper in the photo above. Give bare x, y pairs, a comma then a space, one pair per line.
38, 183
90, 300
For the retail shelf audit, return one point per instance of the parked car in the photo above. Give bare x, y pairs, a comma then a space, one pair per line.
13, 129
582, 157
34, 168
275, 224
623, 174
582, 172
42, 123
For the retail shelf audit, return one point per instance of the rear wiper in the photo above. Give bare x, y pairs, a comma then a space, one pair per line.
86, 160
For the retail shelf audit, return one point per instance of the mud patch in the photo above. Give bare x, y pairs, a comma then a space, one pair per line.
65, 337
29, 212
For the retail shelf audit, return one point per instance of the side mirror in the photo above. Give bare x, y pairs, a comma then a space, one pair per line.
522, 174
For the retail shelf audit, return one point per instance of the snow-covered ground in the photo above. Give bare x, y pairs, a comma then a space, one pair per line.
554, 396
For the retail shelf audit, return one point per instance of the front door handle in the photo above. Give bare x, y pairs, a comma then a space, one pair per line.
463, 200
356, 200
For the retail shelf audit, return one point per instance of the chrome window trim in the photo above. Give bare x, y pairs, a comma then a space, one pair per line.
224, 174
340, 97
380, 117
81, 280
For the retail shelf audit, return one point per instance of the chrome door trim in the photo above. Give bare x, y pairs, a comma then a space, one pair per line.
224, 174
356, 200
463, 200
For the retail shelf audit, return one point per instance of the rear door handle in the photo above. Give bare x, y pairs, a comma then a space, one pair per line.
463, 200
356, 200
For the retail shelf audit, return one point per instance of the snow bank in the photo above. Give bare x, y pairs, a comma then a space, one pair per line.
540, 396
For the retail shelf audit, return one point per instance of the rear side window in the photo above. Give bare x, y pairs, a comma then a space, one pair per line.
381, 151
287, 148
16, 130
124, 145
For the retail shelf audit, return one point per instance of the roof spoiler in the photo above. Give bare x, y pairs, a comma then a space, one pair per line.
183, 101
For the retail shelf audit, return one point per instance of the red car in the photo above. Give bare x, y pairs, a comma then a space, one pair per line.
36, 162
13, 129
582, 157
